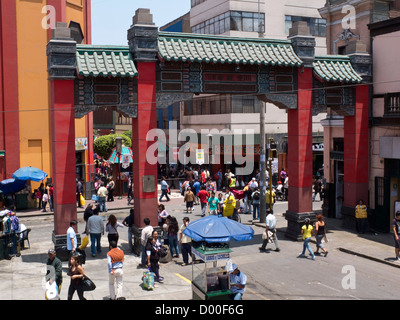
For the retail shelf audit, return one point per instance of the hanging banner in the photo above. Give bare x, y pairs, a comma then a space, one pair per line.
125, 161
200, 156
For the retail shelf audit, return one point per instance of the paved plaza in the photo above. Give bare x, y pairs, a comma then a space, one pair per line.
21, 278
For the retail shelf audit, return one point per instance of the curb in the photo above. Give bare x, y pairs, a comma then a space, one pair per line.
369, 257
42, 214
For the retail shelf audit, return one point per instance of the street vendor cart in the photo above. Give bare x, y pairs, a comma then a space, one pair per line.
210, 243
211, 279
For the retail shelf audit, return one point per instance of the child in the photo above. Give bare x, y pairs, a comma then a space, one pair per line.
220, 204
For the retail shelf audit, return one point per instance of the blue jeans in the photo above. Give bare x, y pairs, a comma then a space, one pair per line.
102, 204
173, 244
95, 238
237, 296
164, 193
144, 256
256, 211
306, 245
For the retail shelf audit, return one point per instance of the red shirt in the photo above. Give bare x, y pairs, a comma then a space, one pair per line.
203, 195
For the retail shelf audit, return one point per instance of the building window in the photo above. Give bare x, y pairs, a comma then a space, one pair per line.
196, 2
392, 104
231, 20
317, 26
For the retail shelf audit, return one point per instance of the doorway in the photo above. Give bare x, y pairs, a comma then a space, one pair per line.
339, 188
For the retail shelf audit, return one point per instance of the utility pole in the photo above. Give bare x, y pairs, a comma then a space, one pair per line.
263, 189
263, 167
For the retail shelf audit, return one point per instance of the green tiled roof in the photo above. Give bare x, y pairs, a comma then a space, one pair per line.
335, 69
219, 49
105, 61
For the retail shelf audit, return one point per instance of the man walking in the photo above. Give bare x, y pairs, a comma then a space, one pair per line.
95, 228
164, 189
185, 242
54, 269
270, 227
203, 196
115, 262
71, 237
102, 193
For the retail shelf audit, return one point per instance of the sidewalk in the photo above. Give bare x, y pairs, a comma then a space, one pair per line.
375, 246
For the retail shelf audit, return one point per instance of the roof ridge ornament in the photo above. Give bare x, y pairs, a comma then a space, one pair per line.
143, 36
303, 42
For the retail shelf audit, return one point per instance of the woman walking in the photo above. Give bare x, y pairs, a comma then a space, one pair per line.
189, 199
111, 228
173, 230
76, 273
151, 248
320, 234
307, 231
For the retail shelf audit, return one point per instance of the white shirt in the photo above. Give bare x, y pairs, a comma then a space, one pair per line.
253, 184
146, 233
270, 221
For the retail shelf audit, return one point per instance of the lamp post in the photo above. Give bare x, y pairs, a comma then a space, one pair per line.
118, 144
210, 153
271, 155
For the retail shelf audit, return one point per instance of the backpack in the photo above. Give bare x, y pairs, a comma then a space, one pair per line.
256, 196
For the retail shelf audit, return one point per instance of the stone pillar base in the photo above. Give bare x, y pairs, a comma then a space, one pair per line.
295, 222
61, 240
137, 242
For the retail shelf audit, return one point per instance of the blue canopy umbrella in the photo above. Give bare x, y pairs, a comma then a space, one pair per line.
218, 229
29, 173
10, 186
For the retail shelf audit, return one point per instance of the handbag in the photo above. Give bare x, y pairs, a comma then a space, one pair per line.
162, 251
87, 284
82, 200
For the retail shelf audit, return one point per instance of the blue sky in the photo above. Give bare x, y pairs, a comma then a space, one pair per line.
111, 19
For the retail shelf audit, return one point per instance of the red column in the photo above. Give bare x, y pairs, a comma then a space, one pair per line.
9, 120
300, 147
63, 155
356, 149
145, 202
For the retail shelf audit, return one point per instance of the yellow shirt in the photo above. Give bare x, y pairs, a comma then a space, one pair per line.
229, 206
267, 196
307, 231
361, 212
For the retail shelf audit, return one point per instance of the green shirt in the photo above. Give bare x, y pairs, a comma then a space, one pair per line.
57, 272
213, 202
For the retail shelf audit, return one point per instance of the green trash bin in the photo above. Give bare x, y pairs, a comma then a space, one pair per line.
21, 201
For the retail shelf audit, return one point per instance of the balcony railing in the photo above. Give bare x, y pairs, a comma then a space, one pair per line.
392, 104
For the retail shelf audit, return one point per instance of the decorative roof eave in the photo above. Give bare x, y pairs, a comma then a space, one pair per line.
222, 49
333, 68
105, 61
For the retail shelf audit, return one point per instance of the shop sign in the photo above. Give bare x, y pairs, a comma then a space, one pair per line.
81, 144
318, 147
2, 153
200, 156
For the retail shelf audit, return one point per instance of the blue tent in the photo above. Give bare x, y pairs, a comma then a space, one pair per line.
218, 229
10, 186
29, 173
114, 158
